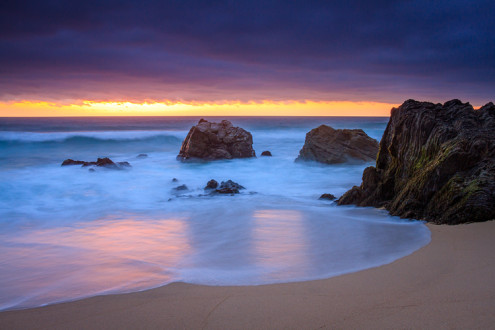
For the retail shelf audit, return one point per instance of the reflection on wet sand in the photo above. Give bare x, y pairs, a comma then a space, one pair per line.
106, 255
280, 242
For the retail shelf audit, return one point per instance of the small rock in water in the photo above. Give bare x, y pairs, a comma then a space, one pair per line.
91, 170
142, 156
329, 197
212, 184
72, 162
175, 180
266, 153
181, 188
124, 164
229, 187
101, 162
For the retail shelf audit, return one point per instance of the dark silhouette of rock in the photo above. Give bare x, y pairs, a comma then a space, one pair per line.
266, 153
181, 188
124, 164
73, 162
142, 156
212, 184
228, 187
436, 162
328, 196
175, 180
211, 141
101, 162
333, 146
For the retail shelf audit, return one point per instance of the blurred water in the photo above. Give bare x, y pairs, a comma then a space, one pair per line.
67, 233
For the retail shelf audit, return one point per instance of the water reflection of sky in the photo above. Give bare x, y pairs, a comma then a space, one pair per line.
100, 256
239, 244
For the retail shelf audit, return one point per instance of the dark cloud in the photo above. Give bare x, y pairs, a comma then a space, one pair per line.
247, 50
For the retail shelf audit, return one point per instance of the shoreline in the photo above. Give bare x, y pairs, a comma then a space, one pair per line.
445, 284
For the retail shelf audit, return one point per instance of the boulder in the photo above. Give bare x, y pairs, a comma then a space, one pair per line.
212, 184
436, 163
266, 153
329, 197
142, 156
211, 141
334, 146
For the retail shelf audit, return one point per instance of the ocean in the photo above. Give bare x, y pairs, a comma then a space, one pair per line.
67, 233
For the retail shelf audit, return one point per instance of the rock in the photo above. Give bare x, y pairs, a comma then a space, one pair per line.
228, 187
124, 164
91, 170
330, 197
436, 163
181, 188
101, 162
211, 141
333, 146
212, 184
72, 162
175, 180
142, 156
266, 153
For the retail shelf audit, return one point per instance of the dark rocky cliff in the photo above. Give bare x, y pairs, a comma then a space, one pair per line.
435, 162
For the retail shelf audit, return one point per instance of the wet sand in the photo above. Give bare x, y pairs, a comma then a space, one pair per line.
446, 284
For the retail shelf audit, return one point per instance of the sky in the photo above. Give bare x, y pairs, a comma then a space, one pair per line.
242, 57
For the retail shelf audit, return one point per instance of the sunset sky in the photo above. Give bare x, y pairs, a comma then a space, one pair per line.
61, 58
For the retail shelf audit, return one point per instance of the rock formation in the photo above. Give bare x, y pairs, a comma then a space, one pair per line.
210, 141
226, 187
436, 162
333, 146
266, 153
101, 162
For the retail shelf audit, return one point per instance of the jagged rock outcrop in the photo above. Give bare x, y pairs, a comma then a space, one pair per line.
436, 162
211, 141
101, 162
333, 146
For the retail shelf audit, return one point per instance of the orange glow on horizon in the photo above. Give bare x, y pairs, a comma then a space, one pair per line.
166, 108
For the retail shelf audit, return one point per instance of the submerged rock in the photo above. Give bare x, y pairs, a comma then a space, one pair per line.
69, 161
266, 153
175, 180
100, 162
182, 187
229, 187
333, 146
329, 197
211, 141
142, 156
212, 184
436, 162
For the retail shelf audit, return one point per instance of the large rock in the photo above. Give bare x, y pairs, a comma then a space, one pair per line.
436, 162
333, 146
210, 141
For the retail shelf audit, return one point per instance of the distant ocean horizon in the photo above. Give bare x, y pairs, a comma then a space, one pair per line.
67, 233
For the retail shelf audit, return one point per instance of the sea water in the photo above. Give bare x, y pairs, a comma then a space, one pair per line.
68, 232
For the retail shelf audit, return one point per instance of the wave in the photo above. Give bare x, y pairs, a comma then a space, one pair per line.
90, 138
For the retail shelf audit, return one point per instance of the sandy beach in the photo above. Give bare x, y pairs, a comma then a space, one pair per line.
447, 284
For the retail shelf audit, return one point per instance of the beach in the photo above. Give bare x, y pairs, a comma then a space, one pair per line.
446, 284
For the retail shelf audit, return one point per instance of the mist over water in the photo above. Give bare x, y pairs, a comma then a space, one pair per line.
68, 233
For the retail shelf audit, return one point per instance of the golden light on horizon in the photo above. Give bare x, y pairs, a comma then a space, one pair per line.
167, 108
